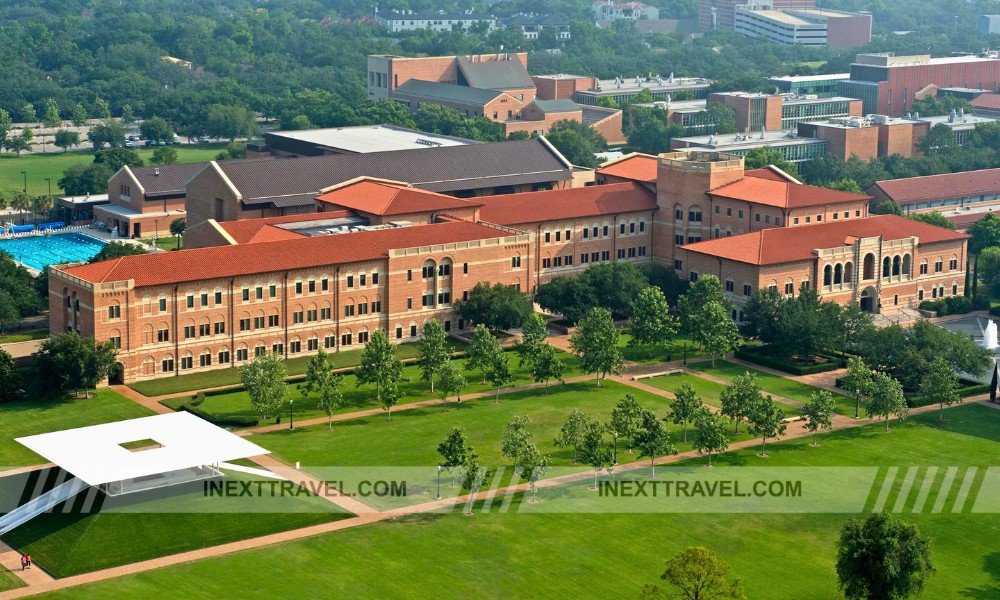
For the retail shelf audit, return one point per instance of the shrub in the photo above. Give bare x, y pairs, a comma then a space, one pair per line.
995, 310
231, 421
773, 362
938, 307
980, 303
197, 399
958, 305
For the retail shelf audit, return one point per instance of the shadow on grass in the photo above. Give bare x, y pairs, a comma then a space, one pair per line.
990, 591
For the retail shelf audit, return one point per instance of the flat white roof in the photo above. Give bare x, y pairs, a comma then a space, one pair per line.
804, 78
95, 455
372, 138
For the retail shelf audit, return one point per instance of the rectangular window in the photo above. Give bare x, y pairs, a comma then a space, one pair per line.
583, 258
244, 324
312, 286
312, 344
190, 301
747, 290
363, 308
631, 227
272, 291
546, 263
348, 310
205, 360
399, 332
789, 288
375, 278
324, 314
569, 260
819, 218
218, 298
756, 217
187, 362
558, 235
767, 219
594, 233
294, 346
465, 296
204, 299
427, 299
116, 341
246, 294
189, 331
277, 349
259, 351
220, 327
642, 251
937, 266
730, 286
242, 354
167, 366
606, 255
548, 237
953, 264
605, 231
377, 306
409, 303
595, 256
444, 298
807, 219
312, 315
361, 280
465, 269
621, 229
163, 335
621, 253
631, 252
795, 221
413, 331
923, 268
350, 281
557, 261
345, 339
204, 330
273, 320
716, 209
409, 275
224, 357
678, 264
324, 284
678, 214
740, 213
258, 322
259, 291
115, 311
328, 341
569, 235
586, 233
515, 262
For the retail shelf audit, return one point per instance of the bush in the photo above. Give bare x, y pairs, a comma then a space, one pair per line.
773, 362
967, 388
197, 399
221, 422
980, 303
939, 307
995, 310
958, 305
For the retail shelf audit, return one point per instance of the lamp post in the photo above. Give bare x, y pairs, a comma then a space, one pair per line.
156, 231
25, 188
439, 483
857, 402
615, 435
291, 415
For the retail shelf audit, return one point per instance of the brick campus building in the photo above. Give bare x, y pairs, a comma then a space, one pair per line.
380, 254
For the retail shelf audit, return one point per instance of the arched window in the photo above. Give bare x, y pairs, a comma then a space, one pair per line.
869, 267
827, 270
886, 266
907, 265
895, 265
444, 269
428, 269
848, 272
838, 274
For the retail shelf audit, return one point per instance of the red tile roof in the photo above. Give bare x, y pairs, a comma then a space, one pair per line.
385, 198
789, 244
948, 185
770, 172
305, 252
253, 230
783, 194
988, 101
640, 167
570, 203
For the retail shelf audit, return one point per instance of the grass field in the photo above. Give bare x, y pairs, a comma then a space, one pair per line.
779, 556
29, 417
150, 524
237, 404
647, 355
227, 377
52, 165
9, 581
709, 391
773, 384
24, 335
166, 243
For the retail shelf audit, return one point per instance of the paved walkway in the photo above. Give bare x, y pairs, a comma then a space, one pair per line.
10, 560
22, 349
826, 380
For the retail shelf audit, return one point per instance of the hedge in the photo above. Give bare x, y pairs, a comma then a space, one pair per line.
782, 365
221, 422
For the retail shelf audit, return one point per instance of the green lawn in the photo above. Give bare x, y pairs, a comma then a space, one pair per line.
29, 417
150, 524
709, 391
237, 404
779, 556
231, 376
773, 384
24, 335
9, 581
52, 165
649, 355
166, 243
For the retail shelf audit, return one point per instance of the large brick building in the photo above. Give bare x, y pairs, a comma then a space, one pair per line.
144, 200
382, 254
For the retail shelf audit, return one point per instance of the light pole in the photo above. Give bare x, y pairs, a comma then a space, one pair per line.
615, 435
25, 174
857, 402
439, 483
291, 415
156, 231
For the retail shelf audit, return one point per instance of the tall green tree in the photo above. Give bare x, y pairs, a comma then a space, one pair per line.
740, 397
940, 386
432, 351
70, 362
380, 366
766, 420
595, 341
652, 439
101, 109
6, 124
985, 234
498, 373
626, 417
64, 139
533, 334
514, 437
818, 413
685, 407
882, 558
709, 434
885, 399
474, 478
651, 322
482, 351
572, 431
264, 380
858, 380
321, 379
595, 449
10, 379
451, 381
534, 466
546, 365
454, 451
79, 116
51, 118
496, 306
697, 574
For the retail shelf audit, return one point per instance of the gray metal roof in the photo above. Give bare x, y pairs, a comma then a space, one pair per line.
446, 169
556, 106
495, 74
446, 92
166, 179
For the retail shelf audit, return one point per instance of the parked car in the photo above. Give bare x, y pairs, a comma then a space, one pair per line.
129, 144
204, 140
150, 143
98, 145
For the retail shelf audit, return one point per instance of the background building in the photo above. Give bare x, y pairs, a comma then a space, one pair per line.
963, 197
353, 140
721, 14
807, 27
608, 10
437, 20
793, 147
821, 86
532, 26
988, 24
144, 200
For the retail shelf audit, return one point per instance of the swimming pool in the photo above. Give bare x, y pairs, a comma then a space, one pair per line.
38, 251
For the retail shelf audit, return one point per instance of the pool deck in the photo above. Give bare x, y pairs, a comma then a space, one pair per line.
104, 236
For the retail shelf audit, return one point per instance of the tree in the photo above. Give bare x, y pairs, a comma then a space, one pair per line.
626, 418
69, 361
858, 379
845, 185
10, 316
177, 226
649, 131
818, 413
474, 477
533, 467
546, 365
116, 249
222, 121
482, 350
432, 351
10, 379
988, 264
685, 407
933, 218
50, 118
320, 378
651, 322
652, 439
938, 140
758, 158
498, 373
882, 558
704, 316
454, 450
717, 333
985, 234
6, 124
763, 313
28, 113
128, 115
740, 397
79, 116
101, 109
264, 380
116, 158
698, 574
451, 381
64, 139
156, 129
380, 365
110, 132
515, 436
575, 146
594, 449
709, 434
940, 386
21, 143
164, 155
572, 431
21, 202
80, 180
496, 306
572, 297
885, 399
533, 334
595, 341
615, 285
766, 419
807, 326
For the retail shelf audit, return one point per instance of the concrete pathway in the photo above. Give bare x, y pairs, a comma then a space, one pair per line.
10, 560
22, 349
826, 380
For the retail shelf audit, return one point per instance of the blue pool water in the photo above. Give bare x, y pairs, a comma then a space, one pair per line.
38, 251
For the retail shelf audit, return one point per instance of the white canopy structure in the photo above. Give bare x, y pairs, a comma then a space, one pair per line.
133, 456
